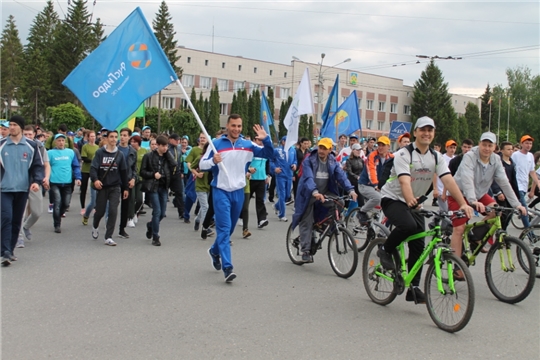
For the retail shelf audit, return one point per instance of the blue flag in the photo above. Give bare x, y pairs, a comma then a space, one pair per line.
266, 115
331, 105
346, 120
126, 69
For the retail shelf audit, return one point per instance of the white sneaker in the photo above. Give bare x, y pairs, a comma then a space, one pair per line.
135, 219
284, 219
95, 233
50, 211
110, 242
20, 242
130, 223
240, 223
263, 223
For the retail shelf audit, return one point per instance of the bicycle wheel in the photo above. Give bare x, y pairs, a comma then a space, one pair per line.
531, 238
342, 253
358, 231
294, 249
517, 223
508, 281
449, 309
380, 290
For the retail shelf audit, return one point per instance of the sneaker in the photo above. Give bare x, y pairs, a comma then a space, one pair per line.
289, 202
434, 202
197, 225
13, 258
142, 212
57, 229
20, 242
27, 234
386, 259
136, 220
84, 220
284, 219
216, 261
130, 223
6, 259
64, 215
210, 232
123, 234
110, 242
240, 222
262, 223
148, 231
246, 234
155, 241
95, 233
213, 224
50, 211
276, 211
82, 212
307, 258
204, 234
418, 294
229, 275
363, 217
186, 221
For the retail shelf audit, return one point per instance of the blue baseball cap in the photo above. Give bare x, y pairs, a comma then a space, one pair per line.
135, 134
146, 127
4, 124
284, 138
59, 135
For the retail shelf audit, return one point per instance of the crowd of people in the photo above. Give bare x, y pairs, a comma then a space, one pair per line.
138, 171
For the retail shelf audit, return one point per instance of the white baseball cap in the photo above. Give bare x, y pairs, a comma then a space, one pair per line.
489, 136
424, 121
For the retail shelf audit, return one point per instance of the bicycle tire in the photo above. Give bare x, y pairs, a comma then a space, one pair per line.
517, 223
509, 286
342, 253
534, 246
380, 290
358, 231
450, 311
294, 249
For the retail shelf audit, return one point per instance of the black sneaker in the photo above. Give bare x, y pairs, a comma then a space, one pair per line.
418, 294
216, 261
155, 241
229, 275
363, 217
6, 259
204, 234
148, 231
435, 203
197, 225
386, 259
289, 202
186, 221
142, 212
307, 258
123, 234
57, 229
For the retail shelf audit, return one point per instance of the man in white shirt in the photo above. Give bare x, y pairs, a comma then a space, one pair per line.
524, 161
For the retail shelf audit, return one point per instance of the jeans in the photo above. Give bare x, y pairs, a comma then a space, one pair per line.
61, 197
13, 205
523, 201
107, 199
92, 205
158, 200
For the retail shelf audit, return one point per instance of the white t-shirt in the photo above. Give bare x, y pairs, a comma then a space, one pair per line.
524, 165
440, 185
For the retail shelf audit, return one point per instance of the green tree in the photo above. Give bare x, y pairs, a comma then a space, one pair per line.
463, 129
487, 110
184, 123
68, 113
431, 98
282, 130
303, 127
474, 123
11, 53
212, 123
193, 98
248, 122
97, 35
164, 31
310, 128
234, 104
271, 105
257, 110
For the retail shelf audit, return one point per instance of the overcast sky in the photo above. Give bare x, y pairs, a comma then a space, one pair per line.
489, 36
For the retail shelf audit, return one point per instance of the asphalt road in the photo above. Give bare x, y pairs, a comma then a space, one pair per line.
71, 297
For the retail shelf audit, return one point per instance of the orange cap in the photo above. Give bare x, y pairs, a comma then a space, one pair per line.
403, 135
525, 138
450, 143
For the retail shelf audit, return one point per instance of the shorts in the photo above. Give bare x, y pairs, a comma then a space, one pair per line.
453, 205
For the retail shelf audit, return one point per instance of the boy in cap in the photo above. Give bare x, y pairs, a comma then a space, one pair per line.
439, 192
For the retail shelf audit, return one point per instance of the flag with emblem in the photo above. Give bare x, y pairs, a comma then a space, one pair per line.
346, 120
331, 104
122, 72
266, 114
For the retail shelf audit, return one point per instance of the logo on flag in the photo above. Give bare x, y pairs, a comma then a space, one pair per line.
345, 121
139, 56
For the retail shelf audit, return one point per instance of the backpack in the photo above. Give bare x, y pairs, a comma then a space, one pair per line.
389, 164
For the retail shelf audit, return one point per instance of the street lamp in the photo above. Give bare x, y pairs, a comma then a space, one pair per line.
320, 81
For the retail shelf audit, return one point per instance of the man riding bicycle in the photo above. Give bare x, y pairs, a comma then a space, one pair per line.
410, 178
321, 176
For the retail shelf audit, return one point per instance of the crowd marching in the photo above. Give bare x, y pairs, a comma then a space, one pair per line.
138, 171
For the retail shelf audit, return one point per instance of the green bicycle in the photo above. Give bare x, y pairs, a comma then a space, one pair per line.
510, 267
450, 303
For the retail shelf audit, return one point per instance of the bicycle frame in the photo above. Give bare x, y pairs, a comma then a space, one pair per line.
326, 231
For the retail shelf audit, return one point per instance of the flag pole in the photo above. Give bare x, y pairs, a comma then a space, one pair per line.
508, 119
489, 125
210, 142
499, 121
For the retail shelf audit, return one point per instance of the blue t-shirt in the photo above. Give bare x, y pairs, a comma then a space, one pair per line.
63, 163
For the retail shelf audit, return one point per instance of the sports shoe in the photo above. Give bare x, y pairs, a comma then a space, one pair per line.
262, 223
229, 275
27, 234
142, 212
64, 215
136, 219
210, 232
186, 221
95, 233
57, 229
6, 259
363, 217
246, 234
155, 241
276, 211
289, 202
50, 211
216, 261
20, 242
307, 258
84, 220
386, 259
240, 222
204, 234
123, 234
435, 202
418, 294
284, 219
110, 242
148, 231
197, 225
130, 223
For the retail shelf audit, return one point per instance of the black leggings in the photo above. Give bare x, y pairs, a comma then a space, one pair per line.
210, 212
84, 188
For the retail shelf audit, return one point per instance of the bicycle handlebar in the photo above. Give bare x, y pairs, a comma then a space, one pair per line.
497, 208
441, 214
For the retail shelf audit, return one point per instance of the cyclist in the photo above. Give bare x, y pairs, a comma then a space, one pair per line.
477, 171
321, 176
410, 178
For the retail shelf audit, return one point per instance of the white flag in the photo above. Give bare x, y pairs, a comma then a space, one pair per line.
302, 104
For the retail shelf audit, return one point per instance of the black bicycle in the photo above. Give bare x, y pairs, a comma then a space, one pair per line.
342, 250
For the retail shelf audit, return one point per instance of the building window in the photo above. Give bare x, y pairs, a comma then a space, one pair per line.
343, 98
271, 72
187, 80
222, 84
380, 125
285, 93
369, 105
223, 109
184, 104
285, 74
369, 123
205, 82
254, 70
148, 102
393, 108
223, 65
382, 106
254, 87
238, 85
359, 104
205, 62
239, 67
189, 60
167, 102
407, 109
